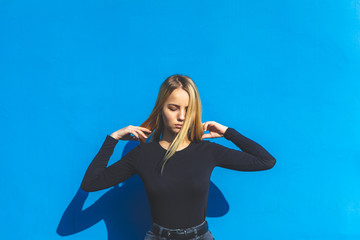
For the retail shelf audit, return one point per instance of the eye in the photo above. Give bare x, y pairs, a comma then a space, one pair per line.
172, 109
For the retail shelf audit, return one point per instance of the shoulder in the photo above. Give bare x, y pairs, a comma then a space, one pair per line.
205, 145
142, 146
149, 146
212, 147
204, 142
136, 150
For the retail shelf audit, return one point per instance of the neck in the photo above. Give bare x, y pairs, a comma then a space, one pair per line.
169, 137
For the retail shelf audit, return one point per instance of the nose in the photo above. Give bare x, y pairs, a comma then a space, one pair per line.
182, 115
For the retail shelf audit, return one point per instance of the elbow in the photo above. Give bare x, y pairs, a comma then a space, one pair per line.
271, 163
268, 163
87, 188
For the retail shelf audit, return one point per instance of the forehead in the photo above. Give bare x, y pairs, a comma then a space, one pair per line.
179, 97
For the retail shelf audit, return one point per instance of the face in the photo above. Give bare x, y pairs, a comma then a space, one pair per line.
174, 110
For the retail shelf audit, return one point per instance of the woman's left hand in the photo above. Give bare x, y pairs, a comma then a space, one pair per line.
216, 129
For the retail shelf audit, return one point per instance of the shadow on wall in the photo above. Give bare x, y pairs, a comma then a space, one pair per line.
124, 209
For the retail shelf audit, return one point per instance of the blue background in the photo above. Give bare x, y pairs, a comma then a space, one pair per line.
283, 73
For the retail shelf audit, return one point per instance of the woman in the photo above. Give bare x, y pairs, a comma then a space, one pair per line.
176, 163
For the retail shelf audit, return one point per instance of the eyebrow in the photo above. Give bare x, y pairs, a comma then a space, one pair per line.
175, 105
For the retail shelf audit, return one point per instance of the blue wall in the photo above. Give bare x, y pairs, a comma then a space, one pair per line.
283, 73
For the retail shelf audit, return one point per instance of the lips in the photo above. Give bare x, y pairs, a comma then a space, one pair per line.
178, 126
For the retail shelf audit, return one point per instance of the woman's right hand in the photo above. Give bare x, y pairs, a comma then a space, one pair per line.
125, 133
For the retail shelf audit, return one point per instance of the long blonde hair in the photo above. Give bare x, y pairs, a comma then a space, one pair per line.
192, 127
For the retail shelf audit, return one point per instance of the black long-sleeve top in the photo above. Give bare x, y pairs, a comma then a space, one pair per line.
178, 198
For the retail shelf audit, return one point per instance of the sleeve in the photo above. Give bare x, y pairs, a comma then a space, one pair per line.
253, 157
98, 176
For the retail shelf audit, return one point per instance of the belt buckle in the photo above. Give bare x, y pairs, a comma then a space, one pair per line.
182, 233
173, 233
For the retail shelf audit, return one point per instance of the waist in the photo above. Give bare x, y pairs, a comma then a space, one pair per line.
180, 233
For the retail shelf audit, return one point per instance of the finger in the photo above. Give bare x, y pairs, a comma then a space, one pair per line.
131, 137
206, 135
144, 134
141, 133
145, 129
135, 133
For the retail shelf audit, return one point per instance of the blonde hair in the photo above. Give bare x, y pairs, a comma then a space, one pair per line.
192, 127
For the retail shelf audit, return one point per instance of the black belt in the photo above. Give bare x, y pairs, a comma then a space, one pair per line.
185, 233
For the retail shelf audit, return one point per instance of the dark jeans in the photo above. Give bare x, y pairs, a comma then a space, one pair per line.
151, 236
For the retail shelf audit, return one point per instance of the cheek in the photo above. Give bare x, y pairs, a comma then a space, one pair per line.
171, 116
167, 116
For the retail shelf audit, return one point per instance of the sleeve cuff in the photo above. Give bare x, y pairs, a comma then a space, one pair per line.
229, 133
111, 139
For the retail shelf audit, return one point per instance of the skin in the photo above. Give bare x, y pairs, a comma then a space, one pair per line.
173, 113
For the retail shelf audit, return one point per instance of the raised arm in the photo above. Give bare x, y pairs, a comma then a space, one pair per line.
253, 156
98, 176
